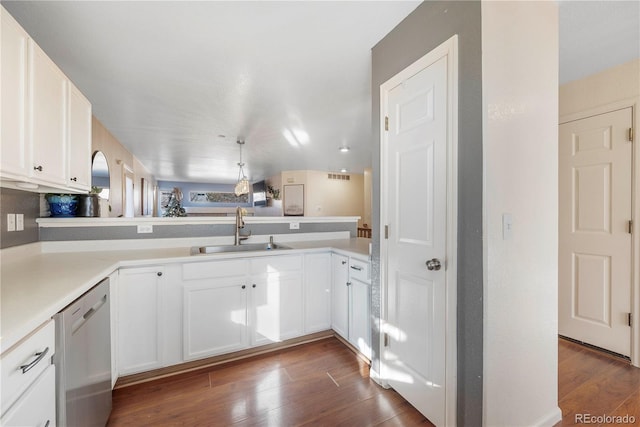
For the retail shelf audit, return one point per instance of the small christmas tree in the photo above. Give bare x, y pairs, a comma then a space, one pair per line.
174, 207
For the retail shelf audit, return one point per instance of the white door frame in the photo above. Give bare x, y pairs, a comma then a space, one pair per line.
447, 49
634, 103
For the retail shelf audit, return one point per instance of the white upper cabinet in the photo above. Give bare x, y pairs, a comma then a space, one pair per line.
45, 120
79, 154
15, 160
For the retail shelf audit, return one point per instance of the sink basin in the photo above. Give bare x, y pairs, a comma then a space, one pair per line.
203, 250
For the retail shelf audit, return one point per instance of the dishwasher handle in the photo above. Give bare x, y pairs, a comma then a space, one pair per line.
78, 324
39, 356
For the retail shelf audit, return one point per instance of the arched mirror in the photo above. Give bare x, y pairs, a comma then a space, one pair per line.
100, 175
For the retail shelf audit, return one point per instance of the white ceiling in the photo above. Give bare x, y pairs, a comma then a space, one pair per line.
291, 78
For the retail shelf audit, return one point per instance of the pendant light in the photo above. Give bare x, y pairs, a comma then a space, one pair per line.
242, 187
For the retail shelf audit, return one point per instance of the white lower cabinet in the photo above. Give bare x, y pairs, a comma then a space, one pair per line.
359, 316
317, 292
276, 307
140, 319
27, 387
351, 301
182, 312
340, 294
37, 407
113, 313
230, 305
215, 317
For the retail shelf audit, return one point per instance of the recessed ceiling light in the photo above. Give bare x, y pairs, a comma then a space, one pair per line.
343, 170
344, 149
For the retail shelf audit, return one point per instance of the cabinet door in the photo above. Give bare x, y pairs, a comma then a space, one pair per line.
215, 317
276, 307
48, 115
113, 291
79, 140
340, 295
37, 407
359, 317
139, 319
317, 292
15, 159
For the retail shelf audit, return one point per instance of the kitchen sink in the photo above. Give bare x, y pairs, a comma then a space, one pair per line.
204, 250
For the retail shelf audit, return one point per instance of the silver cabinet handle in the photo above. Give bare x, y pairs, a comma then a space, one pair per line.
26, 368
355, 267
433, 264
47, 423
348, 283
159, 273
344, 262
38, 168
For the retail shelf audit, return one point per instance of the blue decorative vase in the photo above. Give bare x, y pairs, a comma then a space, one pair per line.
62, 205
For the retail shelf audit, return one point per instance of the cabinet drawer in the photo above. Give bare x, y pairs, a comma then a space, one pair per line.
25, 362
214, 269
359, 270
276, 264
37, 407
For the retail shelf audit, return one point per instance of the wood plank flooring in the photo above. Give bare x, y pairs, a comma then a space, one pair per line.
595, 383
321, 383
324, 384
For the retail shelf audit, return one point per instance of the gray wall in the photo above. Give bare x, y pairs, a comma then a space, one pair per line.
24, 202
187, 230
427, 27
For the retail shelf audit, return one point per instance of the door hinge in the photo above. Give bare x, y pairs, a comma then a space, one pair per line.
386, 123
630, 134
386, 340
630, 226
630, 318
386, 231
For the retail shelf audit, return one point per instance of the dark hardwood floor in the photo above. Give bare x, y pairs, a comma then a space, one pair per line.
321, 383
595, 383
324, 384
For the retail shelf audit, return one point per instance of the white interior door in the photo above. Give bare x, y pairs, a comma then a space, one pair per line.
415, 186
595, 157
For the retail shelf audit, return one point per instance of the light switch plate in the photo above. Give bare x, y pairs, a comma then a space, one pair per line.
294, 226
19, 222
11, 222
507, 226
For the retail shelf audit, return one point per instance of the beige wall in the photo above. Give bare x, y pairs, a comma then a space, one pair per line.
323, 196
117, 158
610, 86
520, 154
332, 197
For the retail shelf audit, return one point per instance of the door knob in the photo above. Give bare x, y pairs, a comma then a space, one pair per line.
433, 264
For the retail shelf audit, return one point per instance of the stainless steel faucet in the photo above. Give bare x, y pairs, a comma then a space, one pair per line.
240, 224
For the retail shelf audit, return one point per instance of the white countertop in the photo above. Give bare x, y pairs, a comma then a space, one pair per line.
35, 285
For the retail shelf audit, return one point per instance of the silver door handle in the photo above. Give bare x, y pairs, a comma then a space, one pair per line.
39, 356
433, 264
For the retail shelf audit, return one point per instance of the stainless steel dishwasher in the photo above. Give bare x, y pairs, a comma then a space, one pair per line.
83, 360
